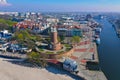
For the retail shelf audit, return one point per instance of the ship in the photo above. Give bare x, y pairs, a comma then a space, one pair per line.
98, 31
98, 41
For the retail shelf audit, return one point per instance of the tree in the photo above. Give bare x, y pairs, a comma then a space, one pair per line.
6, 24
20, 36
75, 39
61, 38
24, 37
38, 38
38, 58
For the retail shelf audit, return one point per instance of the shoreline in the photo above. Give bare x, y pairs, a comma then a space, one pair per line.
82, 70
13, 71
19, 61
93, 74
88, 65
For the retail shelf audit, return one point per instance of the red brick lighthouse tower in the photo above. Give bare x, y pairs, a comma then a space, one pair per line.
55, 44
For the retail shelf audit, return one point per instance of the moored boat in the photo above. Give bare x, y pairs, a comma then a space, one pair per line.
97, 41
98, 31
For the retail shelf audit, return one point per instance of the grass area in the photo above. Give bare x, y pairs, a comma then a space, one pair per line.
8, 22
33, 37
41, 50
49, 52
60, 52
68, 48
67, 45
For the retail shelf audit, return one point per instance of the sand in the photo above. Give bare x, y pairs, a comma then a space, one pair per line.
10, 71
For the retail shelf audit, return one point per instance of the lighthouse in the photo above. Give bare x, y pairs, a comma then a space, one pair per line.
55, 44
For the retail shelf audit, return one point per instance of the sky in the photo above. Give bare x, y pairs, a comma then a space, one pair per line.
60, 5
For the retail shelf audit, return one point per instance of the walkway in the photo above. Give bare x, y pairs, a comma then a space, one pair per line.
83, 52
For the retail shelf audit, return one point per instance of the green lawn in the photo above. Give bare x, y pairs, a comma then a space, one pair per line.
8, 22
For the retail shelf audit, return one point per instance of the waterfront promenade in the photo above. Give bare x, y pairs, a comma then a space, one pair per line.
85, 55
84, 52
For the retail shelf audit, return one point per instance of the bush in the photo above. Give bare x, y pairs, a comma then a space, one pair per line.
37, 59
67, 45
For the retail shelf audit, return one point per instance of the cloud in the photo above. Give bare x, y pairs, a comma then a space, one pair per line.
4, 3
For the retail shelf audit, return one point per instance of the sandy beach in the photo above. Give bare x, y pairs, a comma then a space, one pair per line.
10, 71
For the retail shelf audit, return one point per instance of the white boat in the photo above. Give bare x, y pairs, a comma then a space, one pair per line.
97, 41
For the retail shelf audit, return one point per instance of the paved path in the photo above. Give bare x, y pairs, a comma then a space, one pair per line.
83, 51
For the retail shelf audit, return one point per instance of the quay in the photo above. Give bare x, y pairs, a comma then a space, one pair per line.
90, 69
86, 55
96, 59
